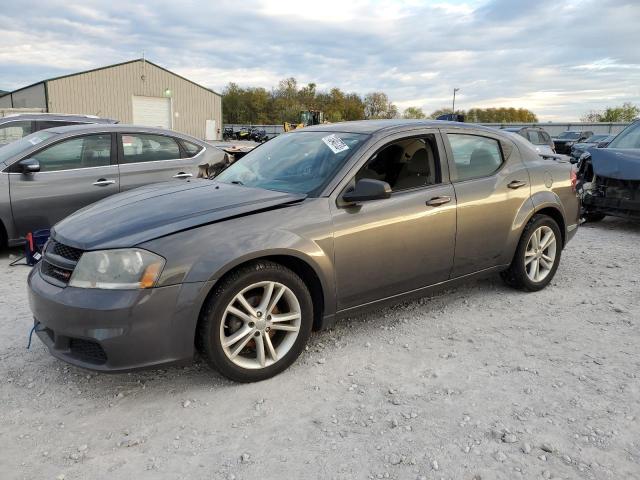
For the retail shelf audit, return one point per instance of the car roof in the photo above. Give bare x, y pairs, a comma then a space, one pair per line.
378, 126
55, 116
123, 128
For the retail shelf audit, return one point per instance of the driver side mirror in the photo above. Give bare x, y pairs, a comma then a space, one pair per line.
367, 189
29, 165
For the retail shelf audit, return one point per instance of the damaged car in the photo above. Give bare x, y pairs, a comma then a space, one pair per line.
609, 178
316, 224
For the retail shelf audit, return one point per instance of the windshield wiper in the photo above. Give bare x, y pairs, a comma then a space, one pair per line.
237, 182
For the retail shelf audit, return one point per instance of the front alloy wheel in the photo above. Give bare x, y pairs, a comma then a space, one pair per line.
256, 322
260, 325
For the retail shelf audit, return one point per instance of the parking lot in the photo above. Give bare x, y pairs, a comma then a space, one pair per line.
481, 382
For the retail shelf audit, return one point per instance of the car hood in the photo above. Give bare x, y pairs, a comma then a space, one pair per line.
154, 211
623, 164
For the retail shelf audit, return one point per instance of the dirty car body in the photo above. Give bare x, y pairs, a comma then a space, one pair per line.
390, 210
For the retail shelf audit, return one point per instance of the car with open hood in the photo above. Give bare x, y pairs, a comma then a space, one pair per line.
314, 225
609, 178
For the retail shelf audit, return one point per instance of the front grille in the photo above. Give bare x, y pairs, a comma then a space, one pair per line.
87, 351
61, 274
64, 251
58, 262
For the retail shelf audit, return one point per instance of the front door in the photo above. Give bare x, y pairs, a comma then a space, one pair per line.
73, 173
150, 158
388, 247
491, 185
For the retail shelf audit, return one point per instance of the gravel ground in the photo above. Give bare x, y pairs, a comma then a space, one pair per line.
476, 382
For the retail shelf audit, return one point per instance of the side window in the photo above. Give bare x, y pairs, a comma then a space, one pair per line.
148, 148
81, 152
405, 164
536, 137
14, 131
545, 138
474, 156
191, 148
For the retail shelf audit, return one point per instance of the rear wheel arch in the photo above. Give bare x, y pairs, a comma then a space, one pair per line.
557, 216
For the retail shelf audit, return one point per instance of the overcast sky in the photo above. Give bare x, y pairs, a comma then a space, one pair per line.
557, 58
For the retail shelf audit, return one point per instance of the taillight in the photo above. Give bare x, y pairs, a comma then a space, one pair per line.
573, 176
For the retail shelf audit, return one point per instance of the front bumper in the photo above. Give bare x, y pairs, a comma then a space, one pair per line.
116, 330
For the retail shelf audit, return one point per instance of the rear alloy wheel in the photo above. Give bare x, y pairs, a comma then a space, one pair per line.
256, 323
537, 256
540, 254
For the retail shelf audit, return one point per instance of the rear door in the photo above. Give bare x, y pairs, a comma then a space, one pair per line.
74, 173
145, 158
491, 186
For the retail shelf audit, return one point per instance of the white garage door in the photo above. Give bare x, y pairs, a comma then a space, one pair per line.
152, 111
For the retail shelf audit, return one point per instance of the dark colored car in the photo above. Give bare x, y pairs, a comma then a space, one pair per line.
598, 141
566, 140
538, 137
50, 174
243, 267
15, 127
609, 178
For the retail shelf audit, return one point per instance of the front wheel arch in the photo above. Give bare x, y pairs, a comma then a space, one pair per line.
300, 267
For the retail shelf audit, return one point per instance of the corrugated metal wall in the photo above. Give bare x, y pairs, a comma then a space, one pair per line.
109, 92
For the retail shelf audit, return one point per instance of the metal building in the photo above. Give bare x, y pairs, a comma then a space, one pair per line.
137, 91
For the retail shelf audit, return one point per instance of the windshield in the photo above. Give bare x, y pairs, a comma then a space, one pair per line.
301, 162
570, 135
22, 145
628, 138
596, 138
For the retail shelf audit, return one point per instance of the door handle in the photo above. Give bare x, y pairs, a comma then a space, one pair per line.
103, 182
437, 201
183, 175
516, 184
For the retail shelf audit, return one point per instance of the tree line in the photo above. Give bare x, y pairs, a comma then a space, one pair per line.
627, 112
259, 106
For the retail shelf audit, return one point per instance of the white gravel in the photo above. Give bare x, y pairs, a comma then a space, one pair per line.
480, 382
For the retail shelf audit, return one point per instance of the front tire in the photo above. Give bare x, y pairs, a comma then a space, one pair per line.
537, 256
256, 323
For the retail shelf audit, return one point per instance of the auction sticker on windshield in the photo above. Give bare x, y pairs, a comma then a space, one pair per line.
335, 143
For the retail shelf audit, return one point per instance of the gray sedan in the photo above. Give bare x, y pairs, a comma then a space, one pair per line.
50, 174
313, 225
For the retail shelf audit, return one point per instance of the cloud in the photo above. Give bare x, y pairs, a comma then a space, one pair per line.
557, 58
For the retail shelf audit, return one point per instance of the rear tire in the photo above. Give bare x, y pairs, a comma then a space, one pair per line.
537, 256
256, 323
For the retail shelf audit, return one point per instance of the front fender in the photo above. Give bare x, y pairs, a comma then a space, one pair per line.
206, 253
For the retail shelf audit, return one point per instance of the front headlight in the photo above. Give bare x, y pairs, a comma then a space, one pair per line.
125, 269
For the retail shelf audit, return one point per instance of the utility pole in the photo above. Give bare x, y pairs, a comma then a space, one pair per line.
453, 105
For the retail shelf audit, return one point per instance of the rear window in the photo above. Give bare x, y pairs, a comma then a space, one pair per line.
138, 147
474, 156
191, 148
